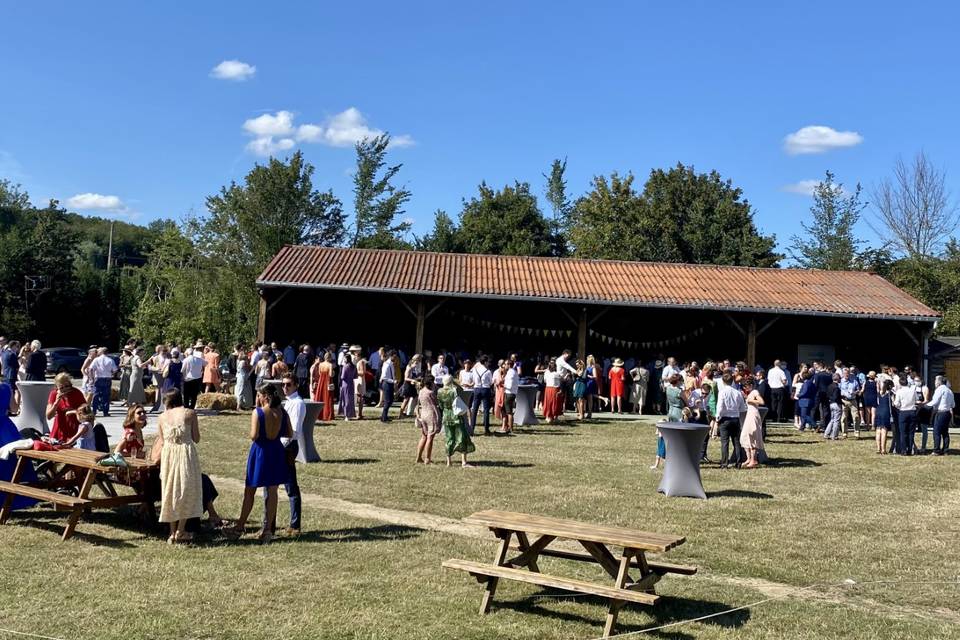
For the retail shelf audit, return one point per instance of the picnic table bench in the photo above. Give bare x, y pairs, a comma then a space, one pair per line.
86, 473
595, 539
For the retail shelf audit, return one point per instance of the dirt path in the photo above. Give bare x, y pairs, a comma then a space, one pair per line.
829, 595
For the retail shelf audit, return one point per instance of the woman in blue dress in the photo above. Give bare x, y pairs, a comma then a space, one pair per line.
592, 374
8, 434
267, 461
172, 373
883, 415
870, 398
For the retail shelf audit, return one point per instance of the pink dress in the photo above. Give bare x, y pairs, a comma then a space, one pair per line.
751, 436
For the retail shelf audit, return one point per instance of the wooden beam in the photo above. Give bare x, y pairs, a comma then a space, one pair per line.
582, 335
767, 326
278, 299
752, 343
421, 321
406, 306
262, 319
910, 335
435, 307
735, 323
566, 313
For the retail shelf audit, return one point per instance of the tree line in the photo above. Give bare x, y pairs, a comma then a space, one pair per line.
179, 281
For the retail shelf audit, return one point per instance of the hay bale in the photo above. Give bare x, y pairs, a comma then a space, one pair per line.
217, 401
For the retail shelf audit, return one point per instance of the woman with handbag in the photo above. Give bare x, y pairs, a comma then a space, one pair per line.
454, 411
411, 381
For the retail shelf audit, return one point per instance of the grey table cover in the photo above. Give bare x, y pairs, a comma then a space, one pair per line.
524, 413
33, 405
681, 471
308, 451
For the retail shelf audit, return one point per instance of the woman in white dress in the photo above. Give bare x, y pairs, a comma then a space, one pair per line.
181, 494
136, 394
241, 389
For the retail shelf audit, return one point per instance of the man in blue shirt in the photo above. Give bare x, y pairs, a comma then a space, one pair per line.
290, 354
849, 390
9, 363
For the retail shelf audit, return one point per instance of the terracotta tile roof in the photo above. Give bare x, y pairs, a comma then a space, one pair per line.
797, 291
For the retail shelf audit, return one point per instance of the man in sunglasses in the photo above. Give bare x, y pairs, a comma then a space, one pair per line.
296, 410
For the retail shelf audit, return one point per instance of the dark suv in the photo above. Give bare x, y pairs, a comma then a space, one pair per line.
65, 359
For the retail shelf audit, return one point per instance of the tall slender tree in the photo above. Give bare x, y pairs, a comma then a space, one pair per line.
829, 241
377, 202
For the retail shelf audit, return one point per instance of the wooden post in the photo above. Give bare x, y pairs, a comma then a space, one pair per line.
262, 318
752, 344
925, 353
582, 335
421, 321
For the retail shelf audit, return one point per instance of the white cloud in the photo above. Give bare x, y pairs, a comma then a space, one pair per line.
280, 124
268, 145
277, 132
806, 187
233, 70
89, 201
819, 139
803, 188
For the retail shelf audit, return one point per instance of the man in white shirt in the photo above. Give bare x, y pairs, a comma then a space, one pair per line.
193, 375
101, 371
296, 410
482, 393
439, 369
388, 384
942, 404
905, 399
511, 384
777, 381
730, 403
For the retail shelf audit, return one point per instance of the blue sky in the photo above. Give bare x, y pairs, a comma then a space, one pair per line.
118, 99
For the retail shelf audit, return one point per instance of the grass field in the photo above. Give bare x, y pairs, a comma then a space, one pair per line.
368, 564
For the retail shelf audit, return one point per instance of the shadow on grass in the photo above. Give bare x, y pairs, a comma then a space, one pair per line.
738, 493
351, 461
666, 611
506, 464
787, 463
55, 522
778, 441
549, 431
391, 532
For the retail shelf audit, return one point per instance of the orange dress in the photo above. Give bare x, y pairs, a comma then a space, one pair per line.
617, 378
322, 392
211, 373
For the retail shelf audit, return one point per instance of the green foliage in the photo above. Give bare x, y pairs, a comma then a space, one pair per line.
681, 216
507, 222
276, 205
829, 241
444, 238
378, 203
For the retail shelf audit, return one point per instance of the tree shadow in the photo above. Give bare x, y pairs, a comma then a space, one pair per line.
351, 461
787, 463
506, 464
668, 609
738, 493
778, 441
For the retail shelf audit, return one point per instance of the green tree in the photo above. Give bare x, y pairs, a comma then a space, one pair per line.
276, 205
377, 202
828, 241
680, 216
507, 222
608, 222
12, 196
559, 200
444, 238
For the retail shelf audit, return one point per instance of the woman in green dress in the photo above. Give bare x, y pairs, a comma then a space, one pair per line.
453, 425
674, 401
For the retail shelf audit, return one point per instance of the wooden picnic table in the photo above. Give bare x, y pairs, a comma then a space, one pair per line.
595, 539
86, 473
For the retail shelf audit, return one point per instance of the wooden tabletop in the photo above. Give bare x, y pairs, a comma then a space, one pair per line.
82, 458
573, 530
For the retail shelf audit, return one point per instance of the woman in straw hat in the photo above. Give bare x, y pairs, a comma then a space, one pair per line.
617, 377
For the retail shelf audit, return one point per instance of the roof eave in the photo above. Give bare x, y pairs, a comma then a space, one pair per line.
618, 303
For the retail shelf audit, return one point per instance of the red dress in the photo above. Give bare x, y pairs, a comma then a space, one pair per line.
65, 426
323, 393
617, 376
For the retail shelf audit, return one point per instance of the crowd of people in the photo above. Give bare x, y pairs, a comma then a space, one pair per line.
454, 394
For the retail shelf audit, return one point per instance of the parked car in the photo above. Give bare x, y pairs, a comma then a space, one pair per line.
64, 360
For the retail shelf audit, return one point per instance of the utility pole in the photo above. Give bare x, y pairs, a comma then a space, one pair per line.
110, 248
